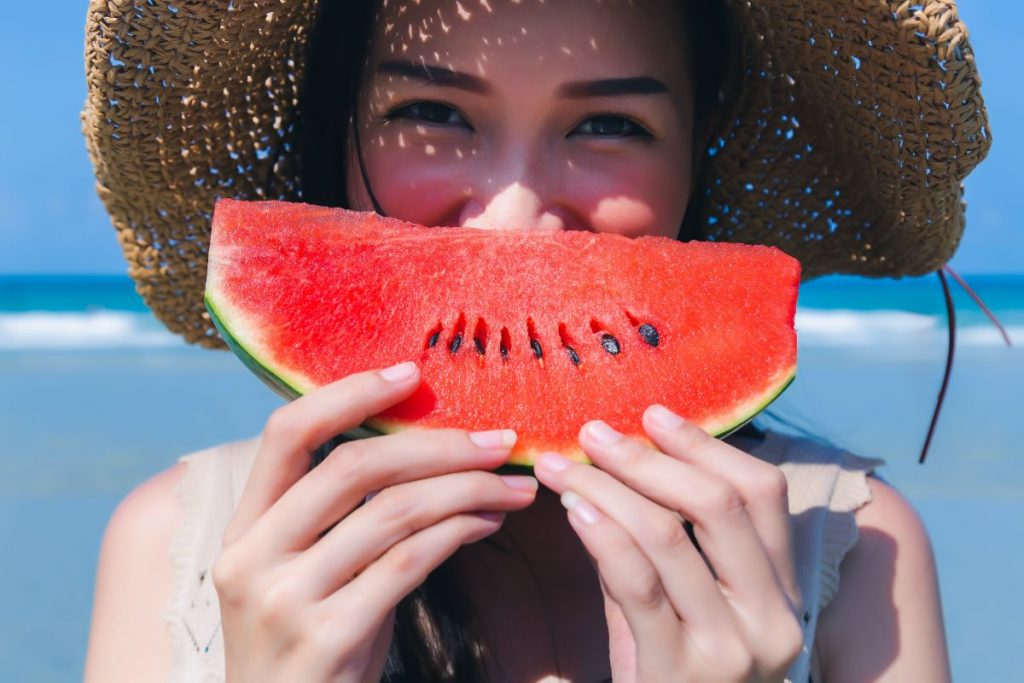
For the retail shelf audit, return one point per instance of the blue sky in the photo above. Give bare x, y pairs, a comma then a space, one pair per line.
52, 222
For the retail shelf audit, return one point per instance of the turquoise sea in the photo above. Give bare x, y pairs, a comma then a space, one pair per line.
95, 397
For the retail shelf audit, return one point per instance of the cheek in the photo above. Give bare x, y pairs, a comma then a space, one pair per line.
638, 199
414, 180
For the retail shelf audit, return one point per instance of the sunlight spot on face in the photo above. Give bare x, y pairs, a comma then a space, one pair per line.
486, 40
463, 14
424, 37
566, 50
401, 140
437, 56
458, 152
444, 27
380, 140
405, 48
410, 32
486, 6
632, 214
593, 43
570, 164
388, 28
430, 150
421, 129
523, 29
391, 95
480, 68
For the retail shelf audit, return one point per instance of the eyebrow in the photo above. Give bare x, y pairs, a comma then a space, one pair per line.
443, 76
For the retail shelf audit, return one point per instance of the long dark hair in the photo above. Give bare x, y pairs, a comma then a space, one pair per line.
436, 635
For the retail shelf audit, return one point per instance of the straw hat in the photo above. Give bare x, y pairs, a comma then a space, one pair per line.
854, 124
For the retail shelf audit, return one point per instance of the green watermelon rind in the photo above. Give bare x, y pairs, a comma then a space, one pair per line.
289, 390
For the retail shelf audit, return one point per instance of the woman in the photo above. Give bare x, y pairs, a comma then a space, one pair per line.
608, 116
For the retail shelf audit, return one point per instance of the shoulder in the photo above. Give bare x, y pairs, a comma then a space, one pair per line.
885, 622
128, 639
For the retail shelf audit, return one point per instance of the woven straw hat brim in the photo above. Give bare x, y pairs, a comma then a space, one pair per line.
854, 126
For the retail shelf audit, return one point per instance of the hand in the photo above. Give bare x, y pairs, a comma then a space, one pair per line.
674, 614
296, 606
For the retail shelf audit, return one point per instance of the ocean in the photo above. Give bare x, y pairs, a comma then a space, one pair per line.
95, 397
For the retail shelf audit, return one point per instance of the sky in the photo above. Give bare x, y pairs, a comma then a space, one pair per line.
51, 221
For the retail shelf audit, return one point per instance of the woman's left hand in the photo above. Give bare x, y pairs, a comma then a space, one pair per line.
731, 614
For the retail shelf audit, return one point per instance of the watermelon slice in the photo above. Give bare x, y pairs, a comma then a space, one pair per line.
538, 332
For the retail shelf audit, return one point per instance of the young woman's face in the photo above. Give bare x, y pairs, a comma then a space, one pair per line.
528, 115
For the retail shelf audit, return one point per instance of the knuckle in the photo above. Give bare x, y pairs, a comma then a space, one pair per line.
349, 463
789, 641
278, 604
228, 576
635, 455
667, 532
771, 483
717, 499
692, 437
282, 423
646, 591
403, 558
394, 509
734, 658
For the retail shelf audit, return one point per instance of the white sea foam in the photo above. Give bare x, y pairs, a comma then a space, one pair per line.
99, 329
843, 327
103, 329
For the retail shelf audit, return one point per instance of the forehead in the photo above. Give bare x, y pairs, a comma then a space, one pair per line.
587, 37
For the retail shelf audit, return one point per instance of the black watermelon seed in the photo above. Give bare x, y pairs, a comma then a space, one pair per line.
537, 351
456, 343
649, 334
504, 350
610, 344
573, 356
479, 346
433, 339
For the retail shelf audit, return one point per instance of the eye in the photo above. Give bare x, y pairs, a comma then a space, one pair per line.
610, 126
430, 112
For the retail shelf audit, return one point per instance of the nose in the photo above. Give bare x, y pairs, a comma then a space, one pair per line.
516, 207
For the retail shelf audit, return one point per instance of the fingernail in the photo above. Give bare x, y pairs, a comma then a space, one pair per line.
400, 372
495, 438
663, 417
519, 483
587, 513
552, 462
602, 433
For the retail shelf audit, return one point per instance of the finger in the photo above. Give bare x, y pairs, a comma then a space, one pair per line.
761, 485
396, 514
342, 481
362, 605
657, 531
630, 579
721, 524
294, 431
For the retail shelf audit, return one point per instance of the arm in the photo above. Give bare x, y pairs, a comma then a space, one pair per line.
885, 622
128, 640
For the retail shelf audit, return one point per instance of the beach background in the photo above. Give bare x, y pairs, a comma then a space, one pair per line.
95, 396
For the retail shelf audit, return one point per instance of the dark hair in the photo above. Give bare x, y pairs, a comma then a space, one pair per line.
436, 637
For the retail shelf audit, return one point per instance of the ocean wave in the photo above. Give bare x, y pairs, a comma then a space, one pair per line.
93, 330
843, 327
104, 329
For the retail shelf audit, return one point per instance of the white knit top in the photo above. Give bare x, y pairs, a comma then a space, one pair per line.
826, 485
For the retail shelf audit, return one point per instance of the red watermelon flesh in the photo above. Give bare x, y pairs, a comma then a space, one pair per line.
538, 332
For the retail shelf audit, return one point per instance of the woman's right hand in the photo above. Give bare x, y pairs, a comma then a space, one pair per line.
298, 607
